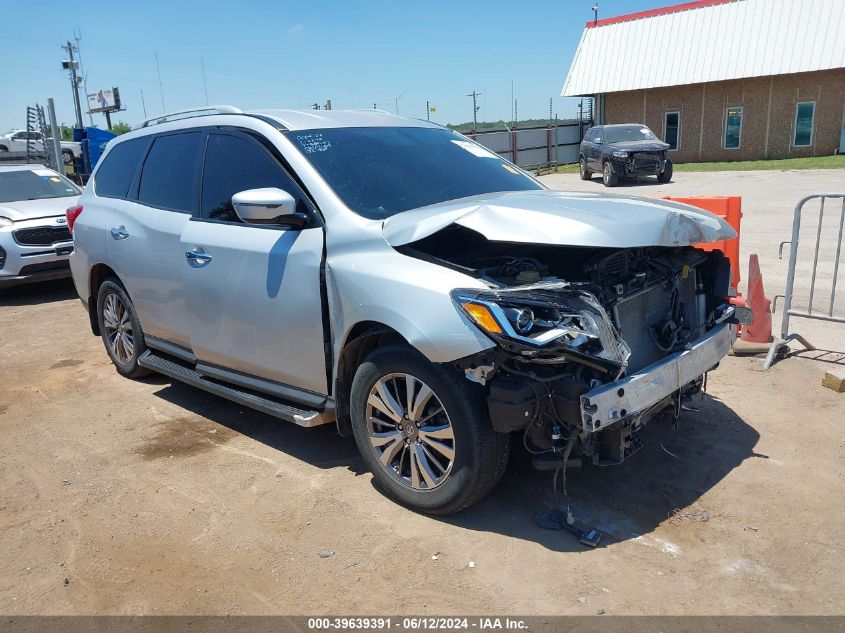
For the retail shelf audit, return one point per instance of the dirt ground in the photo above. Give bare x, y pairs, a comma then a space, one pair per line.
146, 497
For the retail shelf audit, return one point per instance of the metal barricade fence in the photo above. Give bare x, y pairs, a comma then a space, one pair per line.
788, 310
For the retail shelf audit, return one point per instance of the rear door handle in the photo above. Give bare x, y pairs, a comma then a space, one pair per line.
120, 233
197, 258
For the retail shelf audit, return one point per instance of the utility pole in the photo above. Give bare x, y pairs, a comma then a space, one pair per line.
204, 83
427, 111
595, 14
72, 65
160, 86
396, 100
475, 108
78, 39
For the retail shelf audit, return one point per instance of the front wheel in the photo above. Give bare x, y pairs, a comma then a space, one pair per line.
608, 176
423, 431
120, 329
584, 171
665, 175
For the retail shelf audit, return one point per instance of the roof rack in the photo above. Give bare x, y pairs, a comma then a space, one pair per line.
378, 110
187, 114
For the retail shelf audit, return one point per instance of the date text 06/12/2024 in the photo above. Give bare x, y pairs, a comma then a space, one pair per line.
416, 624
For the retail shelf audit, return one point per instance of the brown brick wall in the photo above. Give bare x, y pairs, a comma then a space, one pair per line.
826, 88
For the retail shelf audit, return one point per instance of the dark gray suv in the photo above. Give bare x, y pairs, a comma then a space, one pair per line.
623, 151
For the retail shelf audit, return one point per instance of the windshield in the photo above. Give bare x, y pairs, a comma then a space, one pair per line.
622, 133
381, 171
34, 184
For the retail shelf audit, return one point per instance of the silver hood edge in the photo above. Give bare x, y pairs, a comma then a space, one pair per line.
564, 219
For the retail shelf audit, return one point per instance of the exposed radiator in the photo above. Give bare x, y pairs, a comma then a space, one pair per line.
636, 315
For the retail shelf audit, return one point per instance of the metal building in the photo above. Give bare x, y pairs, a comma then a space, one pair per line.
721, 79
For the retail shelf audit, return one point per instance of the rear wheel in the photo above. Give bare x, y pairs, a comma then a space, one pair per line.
120, 329
422, 429
608, 176
665, 175
584, 171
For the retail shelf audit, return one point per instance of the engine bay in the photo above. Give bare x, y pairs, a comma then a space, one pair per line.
575, 318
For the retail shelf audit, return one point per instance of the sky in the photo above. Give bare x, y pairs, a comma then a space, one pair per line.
291, 54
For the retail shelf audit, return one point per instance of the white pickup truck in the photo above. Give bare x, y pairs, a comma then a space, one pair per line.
16, 140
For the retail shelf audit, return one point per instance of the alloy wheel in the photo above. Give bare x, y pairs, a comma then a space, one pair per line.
118, 326
410, 432
606, 173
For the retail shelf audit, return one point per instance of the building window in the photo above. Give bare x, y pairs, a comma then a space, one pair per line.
805, 114
733, 128
672, 129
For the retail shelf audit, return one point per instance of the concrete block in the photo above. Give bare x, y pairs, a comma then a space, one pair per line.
834, 379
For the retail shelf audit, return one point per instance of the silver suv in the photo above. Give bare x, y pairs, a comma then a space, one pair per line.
396, 279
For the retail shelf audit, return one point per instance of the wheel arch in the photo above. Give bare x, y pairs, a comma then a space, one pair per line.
362, 338
99, 273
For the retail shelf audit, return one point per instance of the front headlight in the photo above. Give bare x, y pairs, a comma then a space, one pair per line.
620, 154
538, 320
5, 221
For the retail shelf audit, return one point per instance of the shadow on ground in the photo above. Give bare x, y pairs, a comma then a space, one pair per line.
319, 446
37, 293
625, 183
672, 471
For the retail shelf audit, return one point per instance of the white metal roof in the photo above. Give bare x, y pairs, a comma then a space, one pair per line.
707, 40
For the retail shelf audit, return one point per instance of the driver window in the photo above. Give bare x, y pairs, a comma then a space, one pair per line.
236, 163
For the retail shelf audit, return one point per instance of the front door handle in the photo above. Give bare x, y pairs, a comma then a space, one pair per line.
197, 258
120, 233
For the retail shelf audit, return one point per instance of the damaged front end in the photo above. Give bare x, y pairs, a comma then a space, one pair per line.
592, 343
638, 163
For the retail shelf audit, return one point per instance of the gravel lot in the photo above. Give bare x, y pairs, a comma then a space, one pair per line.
147, 497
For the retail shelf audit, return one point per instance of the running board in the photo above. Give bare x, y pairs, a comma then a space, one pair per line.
287, 412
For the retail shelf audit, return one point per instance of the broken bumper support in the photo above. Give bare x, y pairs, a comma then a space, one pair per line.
618, 400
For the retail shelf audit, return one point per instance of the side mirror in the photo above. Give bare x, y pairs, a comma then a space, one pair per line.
269, 205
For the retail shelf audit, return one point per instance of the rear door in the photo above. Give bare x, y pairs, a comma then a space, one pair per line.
253, 296
146, 229
596, 140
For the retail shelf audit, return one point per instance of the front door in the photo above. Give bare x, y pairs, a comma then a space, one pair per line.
253, 291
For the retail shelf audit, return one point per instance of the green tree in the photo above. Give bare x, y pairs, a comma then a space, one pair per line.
121, 128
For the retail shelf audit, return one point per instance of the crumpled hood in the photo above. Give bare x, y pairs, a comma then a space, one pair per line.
564, 219
32, 209
639, 146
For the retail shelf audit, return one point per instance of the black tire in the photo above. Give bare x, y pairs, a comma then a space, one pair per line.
67, 157
480, 454
665, 175
608, 176
3, 148
125, 363
583, 170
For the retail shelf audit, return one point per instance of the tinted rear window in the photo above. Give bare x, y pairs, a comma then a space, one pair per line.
119, 166
169, 177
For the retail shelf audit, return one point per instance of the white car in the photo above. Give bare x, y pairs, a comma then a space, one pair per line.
34, 240
16, 141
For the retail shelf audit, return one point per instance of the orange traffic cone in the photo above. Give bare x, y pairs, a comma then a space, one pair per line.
761, 330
